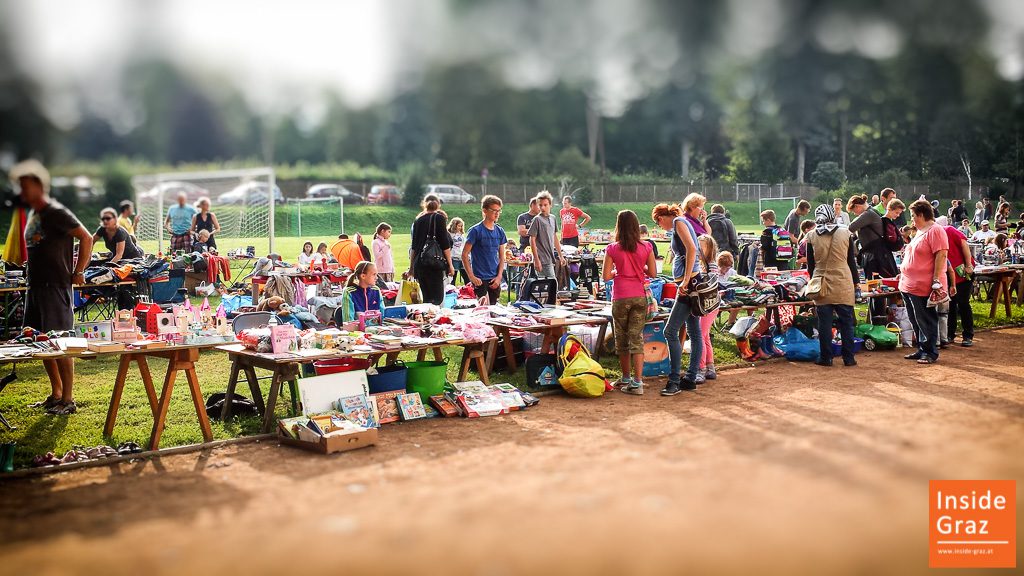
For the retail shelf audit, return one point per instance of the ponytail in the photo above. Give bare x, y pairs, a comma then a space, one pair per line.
360, 269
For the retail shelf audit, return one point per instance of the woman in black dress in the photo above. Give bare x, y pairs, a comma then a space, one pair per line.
205, 220
431, 269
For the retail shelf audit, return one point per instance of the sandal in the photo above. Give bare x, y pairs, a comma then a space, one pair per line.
927, 360
50, 402
47, 459
126, 448
62, 409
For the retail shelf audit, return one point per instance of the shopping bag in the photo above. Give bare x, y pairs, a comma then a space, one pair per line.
799, 347
410, 293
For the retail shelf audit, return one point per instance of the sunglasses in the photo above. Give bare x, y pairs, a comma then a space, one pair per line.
106, 218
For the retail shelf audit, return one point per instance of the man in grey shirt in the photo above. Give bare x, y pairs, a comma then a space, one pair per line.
542, 239
792, 224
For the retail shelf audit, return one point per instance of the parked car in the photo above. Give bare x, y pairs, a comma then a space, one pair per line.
334, 191
170, 192
250, 193
450, 194
384, 194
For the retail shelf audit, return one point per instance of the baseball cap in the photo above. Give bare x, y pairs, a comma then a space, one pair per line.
984, 222
32, 168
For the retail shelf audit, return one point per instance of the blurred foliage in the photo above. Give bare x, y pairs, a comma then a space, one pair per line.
827, 176
915, 98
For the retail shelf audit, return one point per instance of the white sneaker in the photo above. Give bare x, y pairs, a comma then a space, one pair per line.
635, 388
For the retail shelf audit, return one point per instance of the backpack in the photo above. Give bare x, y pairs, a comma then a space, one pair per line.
891, 236
582, 376
783, 244
540, 370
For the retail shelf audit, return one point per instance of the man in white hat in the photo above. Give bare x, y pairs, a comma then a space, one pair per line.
50, 234
984, 234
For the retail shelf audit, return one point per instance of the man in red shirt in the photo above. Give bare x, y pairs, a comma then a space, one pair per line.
572, 217
963, 268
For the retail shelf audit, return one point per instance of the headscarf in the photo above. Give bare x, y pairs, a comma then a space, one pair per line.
825, 220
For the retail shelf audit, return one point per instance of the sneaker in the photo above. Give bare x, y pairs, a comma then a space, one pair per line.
849, 362
967, 343
634, 388
623, 383
915, 356
700, 379
927, 360
710, 373
671, 389
62, 409
943, 345
687, 384
820, 362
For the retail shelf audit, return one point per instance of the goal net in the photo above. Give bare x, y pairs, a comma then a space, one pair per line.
245, 203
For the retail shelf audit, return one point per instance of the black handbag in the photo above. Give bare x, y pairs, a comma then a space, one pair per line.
431, 255
704, 295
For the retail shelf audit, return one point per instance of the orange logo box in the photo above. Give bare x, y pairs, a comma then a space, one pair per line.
972, 524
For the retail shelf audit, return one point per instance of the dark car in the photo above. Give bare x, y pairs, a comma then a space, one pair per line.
334, 191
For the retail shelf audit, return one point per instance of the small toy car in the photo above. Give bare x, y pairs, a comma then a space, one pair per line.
876, 337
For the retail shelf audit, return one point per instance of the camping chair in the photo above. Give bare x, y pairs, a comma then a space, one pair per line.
248, 320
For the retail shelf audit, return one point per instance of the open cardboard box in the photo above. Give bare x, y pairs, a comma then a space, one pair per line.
335, 443
318, 395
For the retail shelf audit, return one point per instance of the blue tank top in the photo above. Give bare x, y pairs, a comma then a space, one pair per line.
679, 263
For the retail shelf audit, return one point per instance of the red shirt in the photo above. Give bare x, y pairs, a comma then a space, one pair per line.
956, 254
569, 218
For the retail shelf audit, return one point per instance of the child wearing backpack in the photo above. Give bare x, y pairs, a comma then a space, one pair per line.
707, 252
776, 243
629, 262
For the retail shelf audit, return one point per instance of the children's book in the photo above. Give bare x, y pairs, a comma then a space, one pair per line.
477, 405
471, 386
410, 406
387, 407
429, 411
509, 395
529, 399
357, 410
290, 426
444, 406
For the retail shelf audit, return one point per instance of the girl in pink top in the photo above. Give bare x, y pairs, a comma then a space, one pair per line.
628, 262
382, 252
923, 271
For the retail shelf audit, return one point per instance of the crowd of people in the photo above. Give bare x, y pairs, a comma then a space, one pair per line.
932, 257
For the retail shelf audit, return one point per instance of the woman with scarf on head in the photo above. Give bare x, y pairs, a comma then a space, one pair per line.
832, 263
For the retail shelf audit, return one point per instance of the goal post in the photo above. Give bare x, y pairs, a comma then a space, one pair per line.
245, 202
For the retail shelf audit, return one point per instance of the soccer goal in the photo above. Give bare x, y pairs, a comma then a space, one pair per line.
775, 198
244, 202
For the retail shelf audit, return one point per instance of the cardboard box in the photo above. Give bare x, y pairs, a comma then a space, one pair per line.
336, 443
99, 346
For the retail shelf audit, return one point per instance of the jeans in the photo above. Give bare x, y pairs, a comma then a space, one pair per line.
844, 313
943, 330
925, 320
961, 304
681, 314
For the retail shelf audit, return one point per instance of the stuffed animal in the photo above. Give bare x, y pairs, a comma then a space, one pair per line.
274, 304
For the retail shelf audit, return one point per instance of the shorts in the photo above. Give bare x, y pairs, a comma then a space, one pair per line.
574, 241
49, 307
181, 242
485, 288
629, 315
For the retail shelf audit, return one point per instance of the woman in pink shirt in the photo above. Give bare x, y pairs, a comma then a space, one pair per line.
630, 262
922, 272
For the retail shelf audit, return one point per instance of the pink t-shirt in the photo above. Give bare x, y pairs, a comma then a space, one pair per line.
628, 281
918, 268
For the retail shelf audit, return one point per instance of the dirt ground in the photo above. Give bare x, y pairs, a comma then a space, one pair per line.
786, 468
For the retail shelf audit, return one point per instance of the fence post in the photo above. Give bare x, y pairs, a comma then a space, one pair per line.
299, 218
341, 211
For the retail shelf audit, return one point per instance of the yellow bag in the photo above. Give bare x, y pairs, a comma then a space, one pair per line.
582, 376
410, 293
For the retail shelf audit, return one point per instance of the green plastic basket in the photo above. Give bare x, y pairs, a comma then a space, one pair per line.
426, 378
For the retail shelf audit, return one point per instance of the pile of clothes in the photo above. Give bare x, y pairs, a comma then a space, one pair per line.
148, 268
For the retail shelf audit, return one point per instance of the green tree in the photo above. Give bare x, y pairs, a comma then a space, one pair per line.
827, 176
406, 133
412, 179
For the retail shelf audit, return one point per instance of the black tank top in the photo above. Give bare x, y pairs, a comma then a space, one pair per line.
206, 224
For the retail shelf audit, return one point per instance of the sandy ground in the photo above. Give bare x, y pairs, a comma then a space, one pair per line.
786, 468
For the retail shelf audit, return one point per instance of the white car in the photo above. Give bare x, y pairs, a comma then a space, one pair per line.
250, 193
450, 194
170, 192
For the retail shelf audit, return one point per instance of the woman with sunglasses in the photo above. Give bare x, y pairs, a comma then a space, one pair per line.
117, 240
